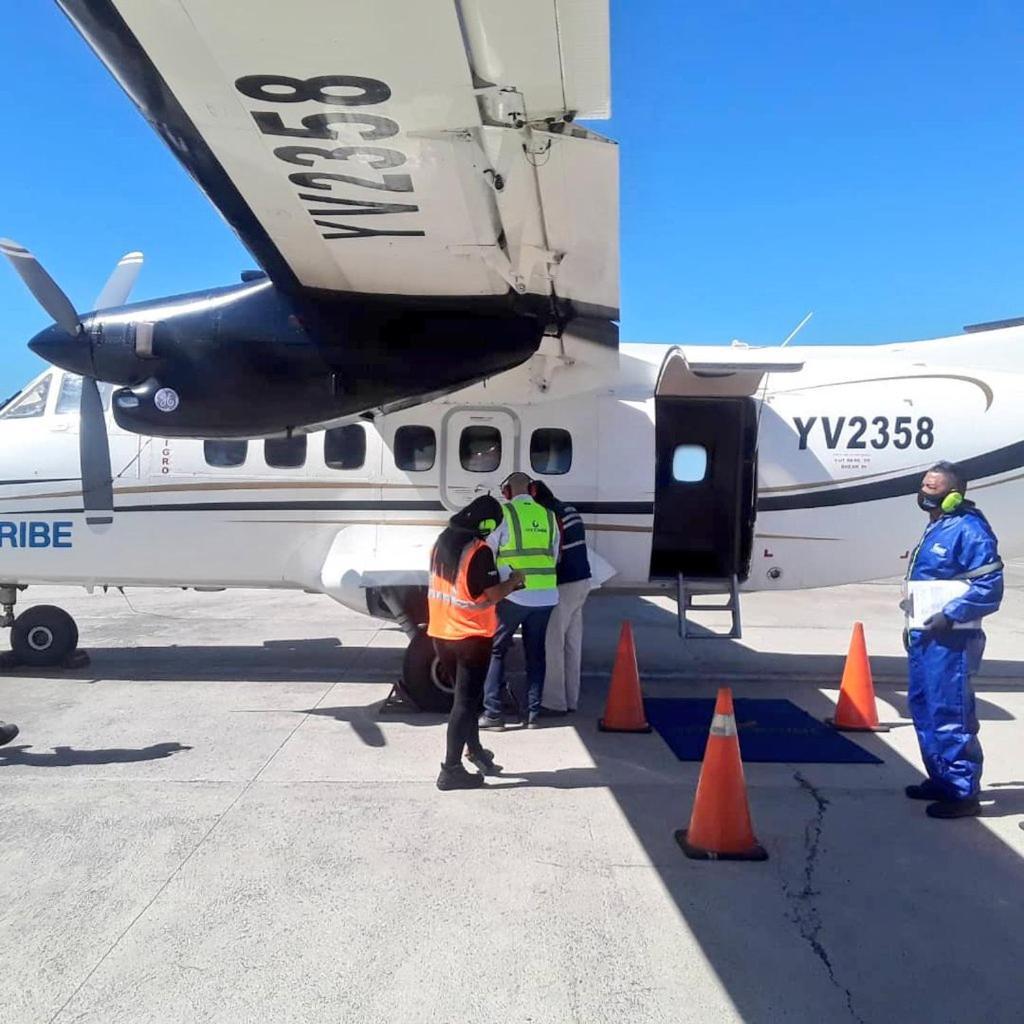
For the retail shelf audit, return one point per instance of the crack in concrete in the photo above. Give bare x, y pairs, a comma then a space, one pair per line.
806, 915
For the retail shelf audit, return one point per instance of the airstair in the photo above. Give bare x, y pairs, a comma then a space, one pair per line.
691, 590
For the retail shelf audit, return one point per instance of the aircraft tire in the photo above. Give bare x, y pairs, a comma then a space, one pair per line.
424, 677
43, 636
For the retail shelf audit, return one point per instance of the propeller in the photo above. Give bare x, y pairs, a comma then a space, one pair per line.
93, 444
121, 282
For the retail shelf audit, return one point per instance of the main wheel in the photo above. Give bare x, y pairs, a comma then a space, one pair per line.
43, 636
426, 679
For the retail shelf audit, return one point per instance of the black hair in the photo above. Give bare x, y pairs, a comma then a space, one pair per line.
952, 472
463, 527
543, 495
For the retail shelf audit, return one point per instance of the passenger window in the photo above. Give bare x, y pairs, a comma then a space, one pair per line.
285, 452
32, 403
70, 397
480, 449
415, 448
345, 447
224, 454
689, 463
551, 451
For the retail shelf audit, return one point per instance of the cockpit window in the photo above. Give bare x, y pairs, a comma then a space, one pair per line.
71, 394
31, 403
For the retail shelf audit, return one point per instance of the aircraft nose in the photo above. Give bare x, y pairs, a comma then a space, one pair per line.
68, 351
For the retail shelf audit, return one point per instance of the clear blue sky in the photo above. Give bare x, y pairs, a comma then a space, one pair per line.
862, 159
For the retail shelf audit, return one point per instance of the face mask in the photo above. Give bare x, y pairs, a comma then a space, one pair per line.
929, 502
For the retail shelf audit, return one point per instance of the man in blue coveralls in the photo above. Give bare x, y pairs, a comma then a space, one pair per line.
958, 547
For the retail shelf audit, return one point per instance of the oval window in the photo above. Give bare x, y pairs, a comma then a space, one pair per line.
345, 447
551, 451
689, 463
480, 449
415, 448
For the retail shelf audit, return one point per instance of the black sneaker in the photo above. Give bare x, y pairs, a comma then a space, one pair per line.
483, 761
969, 808
7, 732
492, 724
533, 722
456, 777
927, 790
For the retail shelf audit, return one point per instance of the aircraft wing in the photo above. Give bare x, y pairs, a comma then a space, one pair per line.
388, 147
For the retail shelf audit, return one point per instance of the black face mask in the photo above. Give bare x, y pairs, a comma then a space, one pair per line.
929, 502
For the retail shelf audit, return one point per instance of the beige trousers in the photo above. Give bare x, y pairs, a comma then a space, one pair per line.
564, 646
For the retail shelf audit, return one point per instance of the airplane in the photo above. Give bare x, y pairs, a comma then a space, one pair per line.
312, 426
699, 471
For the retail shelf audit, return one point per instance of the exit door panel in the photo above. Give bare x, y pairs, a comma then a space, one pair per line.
704, 528
480, 449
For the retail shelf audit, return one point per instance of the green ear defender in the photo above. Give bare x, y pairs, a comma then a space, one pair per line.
952, 501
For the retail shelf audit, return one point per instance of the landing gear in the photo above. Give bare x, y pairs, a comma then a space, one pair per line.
41, 637
44, 636
425, 678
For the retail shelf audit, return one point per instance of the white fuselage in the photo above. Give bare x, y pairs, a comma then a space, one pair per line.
832, 439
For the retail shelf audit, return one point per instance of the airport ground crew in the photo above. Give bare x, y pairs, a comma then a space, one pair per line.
7, 732
463, 592
955, 578
526, 540
564, 648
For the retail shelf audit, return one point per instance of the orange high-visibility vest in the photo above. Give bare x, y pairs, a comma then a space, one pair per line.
454, 614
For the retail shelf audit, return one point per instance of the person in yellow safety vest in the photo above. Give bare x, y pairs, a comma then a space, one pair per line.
461, 597
526, 540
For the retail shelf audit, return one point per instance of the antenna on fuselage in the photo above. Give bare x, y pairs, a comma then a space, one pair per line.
764, 384
796, 330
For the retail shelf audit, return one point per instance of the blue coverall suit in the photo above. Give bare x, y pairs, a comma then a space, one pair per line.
958, 545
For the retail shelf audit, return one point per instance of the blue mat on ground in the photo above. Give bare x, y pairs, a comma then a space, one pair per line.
769, 730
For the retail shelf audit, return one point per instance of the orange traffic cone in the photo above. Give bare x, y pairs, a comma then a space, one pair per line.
720, 827
624, 711
856, 711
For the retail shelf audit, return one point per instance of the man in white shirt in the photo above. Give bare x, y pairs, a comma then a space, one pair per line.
527, 539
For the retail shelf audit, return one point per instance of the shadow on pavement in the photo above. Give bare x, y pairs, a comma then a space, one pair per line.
886, 901
65, 757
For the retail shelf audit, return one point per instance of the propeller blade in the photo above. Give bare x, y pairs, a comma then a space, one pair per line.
94, 456
120, 283
41, 285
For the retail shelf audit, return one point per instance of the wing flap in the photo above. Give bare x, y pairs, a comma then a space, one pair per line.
347, 143
554, 52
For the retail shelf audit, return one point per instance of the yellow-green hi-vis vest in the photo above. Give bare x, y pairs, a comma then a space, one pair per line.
530, 544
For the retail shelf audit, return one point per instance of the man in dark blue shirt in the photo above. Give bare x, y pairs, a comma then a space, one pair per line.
955, 578
565, 629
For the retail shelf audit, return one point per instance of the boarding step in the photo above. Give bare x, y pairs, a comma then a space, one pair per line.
690, 588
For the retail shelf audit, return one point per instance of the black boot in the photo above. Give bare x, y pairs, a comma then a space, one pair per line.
969, 808
483, 761
456, 777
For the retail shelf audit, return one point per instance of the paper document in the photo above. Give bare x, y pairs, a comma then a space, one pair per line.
925, 598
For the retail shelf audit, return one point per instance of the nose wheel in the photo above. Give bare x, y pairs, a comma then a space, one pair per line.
41, 637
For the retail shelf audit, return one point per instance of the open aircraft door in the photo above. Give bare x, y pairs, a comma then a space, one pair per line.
705, 495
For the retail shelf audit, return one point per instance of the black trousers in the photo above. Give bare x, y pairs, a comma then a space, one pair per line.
467, 660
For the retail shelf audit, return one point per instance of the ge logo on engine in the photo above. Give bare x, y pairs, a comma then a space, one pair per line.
166, 400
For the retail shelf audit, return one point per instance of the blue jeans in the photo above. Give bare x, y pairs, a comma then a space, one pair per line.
535, 629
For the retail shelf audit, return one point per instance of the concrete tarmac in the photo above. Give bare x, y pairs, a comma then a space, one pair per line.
212, 823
